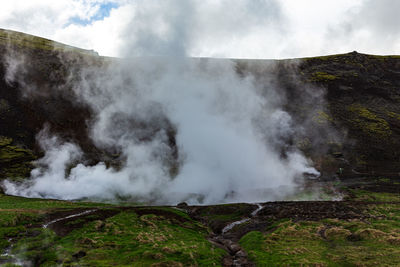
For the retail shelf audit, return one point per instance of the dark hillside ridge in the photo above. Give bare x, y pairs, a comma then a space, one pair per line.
356, 131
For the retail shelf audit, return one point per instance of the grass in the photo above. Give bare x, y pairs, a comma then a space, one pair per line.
126, 239
363, 195
171, 239
164, 236
331, 242
22, 40
18, 212
39, 204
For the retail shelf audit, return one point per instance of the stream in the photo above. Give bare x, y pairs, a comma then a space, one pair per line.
231, 225
237, 256
46, 225
8, 257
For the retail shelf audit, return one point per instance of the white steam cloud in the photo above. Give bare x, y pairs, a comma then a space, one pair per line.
226, 136
228, 130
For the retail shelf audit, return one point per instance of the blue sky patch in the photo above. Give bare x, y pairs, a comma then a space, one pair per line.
102, 12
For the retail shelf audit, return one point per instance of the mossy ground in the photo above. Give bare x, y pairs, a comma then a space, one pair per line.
127, 239
15, 161
139, 236
16, 213
22, 40
330, 242
364, 195
320, 76
369, 122
164, 236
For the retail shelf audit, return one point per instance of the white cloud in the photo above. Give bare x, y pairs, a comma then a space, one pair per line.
241, 28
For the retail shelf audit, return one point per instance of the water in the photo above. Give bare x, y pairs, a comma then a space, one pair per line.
9, 258
46, 225
231, 225
259, 207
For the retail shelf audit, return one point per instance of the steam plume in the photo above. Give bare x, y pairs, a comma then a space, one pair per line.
226, 135
228, 130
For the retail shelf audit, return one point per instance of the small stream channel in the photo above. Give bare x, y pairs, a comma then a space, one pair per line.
8, 257
46, 225
237, 256
231, 225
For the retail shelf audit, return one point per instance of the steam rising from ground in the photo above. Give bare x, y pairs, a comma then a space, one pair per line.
228, 137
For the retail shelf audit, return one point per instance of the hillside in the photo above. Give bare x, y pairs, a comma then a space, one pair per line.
346, 112
357, 125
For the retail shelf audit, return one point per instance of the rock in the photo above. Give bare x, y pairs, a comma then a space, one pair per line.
79, 254
227, 261
227, 243
182, 205
240, 262
241, 254
234, 248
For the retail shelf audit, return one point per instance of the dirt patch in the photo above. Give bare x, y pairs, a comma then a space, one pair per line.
160, 212
313, 210
65, 226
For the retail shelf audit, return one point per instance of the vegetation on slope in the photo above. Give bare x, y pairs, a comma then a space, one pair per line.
363, 232
107, 236
330, 242
23, 40
15, 162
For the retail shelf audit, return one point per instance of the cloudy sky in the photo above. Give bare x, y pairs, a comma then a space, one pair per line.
212, 28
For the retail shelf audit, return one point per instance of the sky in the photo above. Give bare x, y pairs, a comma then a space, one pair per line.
212, 28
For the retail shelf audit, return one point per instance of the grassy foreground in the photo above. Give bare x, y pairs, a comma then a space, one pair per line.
330, 242
166, 236
144, 236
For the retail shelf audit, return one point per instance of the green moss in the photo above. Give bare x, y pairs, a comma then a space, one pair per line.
368, 122
363, 195
22, 40
22, 203
5, 141
320, 76
322, 117
16, 162
393, 115
18, 212
125, 239
331, 242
